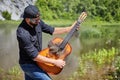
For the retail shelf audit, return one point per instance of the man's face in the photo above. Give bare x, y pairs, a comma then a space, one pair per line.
34, 21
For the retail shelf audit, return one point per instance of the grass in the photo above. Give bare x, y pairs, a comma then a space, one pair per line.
14, 73
9, 22
59, 23
96, 65
63, 22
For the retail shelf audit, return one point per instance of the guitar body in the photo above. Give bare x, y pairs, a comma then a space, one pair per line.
51, 68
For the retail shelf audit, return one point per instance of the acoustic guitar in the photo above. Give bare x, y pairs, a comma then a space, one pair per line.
59, 48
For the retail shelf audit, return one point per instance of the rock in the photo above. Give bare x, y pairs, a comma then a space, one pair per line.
14, 7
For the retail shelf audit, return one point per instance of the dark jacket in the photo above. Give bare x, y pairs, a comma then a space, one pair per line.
29, 43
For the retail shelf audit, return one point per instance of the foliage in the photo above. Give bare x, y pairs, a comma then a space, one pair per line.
59, 22
14, 71
90, 33
95, 65
117, 64
100, 57
106, 10
6, 15
12, 74
109, 31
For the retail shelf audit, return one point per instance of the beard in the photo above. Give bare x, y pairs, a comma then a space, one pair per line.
33, 24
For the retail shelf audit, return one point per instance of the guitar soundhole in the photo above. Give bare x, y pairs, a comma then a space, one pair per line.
53, 47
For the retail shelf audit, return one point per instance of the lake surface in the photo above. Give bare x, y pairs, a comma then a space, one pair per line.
9, 49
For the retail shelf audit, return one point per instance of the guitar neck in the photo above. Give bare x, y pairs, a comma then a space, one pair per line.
69, 35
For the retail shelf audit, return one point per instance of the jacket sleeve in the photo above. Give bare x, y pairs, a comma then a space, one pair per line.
46, 28
26, 44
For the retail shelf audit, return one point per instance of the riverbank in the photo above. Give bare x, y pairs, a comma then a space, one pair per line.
63, 22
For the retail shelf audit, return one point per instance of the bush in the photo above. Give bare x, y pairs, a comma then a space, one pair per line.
106, 10
6, 15
90, 33
96, 65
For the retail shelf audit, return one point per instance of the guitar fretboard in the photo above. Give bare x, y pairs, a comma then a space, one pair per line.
69, 35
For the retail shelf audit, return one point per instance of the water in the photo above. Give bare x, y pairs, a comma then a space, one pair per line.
9, 49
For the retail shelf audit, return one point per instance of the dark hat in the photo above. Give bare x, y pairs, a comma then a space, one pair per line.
31, 12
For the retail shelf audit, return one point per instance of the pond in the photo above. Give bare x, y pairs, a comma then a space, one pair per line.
9, 49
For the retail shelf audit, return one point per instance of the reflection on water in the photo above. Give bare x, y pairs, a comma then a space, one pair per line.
8, 49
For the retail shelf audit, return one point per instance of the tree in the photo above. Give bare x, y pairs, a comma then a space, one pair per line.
106, 10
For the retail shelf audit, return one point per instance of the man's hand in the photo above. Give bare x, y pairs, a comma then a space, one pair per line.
59, 63
78, 27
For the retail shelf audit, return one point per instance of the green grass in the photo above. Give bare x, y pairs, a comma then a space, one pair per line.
9, 22
59, 22
63, 22
14, 73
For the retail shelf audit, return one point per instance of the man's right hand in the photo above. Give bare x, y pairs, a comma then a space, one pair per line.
59, 63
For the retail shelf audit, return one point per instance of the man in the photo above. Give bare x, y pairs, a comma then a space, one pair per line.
29, 36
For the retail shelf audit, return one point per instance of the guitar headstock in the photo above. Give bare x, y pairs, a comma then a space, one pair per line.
82, 17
